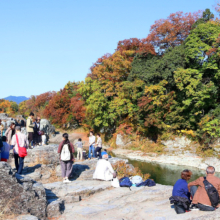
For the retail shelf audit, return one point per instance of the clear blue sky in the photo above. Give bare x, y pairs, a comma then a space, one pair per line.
46, 43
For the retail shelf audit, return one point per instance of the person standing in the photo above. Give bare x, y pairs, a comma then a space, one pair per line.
91, 145
1, 128
5, 150
9, 133
79, 145
30, 128
37, 135
98, 147
66, 151
19, 140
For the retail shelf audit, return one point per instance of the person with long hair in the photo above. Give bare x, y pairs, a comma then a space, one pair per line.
9, 133
66, 151
19, 140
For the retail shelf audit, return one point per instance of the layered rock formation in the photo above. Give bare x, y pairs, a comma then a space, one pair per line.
20, 195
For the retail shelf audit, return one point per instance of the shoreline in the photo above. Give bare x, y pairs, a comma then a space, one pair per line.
180, 160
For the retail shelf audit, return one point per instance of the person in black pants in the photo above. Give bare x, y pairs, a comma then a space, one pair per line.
98, 149
19, 140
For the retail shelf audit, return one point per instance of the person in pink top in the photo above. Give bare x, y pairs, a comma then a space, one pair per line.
23, 142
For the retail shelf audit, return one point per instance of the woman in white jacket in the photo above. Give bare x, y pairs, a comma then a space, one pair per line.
104, 170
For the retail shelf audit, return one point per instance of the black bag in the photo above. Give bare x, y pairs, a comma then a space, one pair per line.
212, 193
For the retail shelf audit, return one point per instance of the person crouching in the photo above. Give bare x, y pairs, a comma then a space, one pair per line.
181, 196
104, 170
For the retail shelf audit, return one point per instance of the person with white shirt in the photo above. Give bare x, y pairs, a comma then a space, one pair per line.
91, 145
98, 149
23, 142
104, 170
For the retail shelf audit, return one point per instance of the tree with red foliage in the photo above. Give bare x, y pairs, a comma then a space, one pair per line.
58, 108
172, 31
139, 46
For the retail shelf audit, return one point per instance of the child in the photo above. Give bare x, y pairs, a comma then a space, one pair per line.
43, 138
5, 149
79, 149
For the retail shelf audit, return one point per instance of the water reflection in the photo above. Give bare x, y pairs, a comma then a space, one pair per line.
166, 174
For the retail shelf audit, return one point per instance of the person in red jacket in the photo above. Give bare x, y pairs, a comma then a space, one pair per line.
66, 151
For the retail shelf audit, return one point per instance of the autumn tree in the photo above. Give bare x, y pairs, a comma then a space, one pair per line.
171, 32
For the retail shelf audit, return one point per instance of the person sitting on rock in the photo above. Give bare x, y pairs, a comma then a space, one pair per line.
200, 196
180, 195
5, 149
66, 151
104, 170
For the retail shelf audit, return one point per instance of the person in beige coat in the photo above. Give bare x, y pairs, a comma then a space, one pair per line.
9, 133
30, 128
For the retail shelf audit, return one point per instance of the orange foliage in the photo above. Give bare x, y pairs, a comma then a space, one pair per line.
172, 31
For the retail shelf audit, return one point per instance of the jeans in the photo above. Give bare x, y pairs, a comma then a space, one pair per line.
201, 207
91, 148
19, 165
98, 150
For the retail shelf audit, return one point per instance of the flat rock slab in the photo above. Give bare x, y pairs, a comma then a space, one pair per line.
75, 190
151, 203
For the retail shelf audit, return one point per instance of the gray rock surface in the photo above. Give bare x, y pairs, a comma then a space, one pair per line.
26, 217
19, 195
122, 140
74, 191
55, 208
151, 203
47, 127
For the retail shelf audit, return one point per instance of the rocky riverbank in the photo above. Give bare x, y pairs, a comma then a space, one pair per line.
181, 159
41, 193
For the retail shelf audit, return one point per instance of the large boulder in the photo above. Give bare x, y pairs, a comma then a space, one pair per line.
122, 140
20, 195
47, 127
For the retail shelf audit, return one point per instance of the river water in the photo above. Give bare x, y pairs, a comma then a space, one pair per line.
166, 174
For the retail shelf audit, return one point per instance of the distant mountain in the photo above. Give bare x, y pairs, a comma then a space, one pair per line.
16, 99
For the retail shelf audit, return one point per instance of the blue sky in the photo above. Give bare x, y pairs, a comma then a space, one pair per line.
46, 43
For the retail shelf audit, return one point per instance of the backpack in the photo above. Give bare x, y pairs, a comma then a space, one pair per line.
65, 153
212, 193
125, 182
147, 182
136, 179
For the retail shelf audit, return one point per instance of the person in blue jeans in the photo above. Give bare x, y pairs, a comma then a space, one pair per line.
91, 145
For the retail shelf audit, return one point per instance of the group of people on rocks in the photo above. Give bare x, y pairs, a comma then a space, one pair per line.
36, 137
200, 194
14, 139
66, 151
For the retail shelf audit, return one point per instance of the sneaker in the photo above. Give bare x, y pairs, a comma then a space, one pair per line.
67, 181
193, 207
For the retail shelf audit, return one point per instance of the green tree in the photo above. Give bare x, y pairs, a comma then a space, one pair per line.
152, 69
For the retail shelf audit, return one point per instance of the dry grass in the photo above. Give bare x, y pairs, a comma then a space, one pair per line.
124, 169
